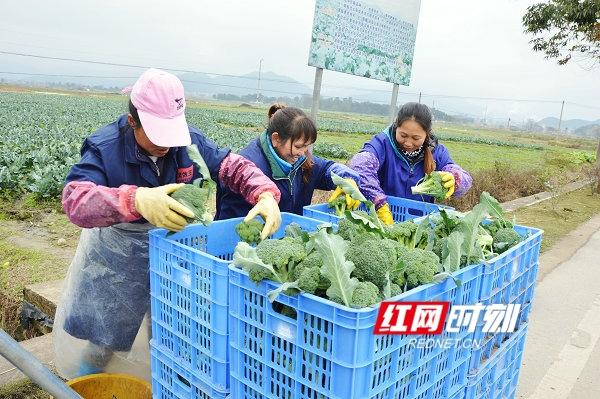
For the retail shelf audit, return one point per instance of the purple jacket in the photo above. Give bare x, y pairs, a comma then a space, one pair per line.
384, 171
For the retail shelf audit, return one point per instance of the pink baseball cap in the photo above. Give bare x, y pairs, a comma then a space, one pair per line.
160, 101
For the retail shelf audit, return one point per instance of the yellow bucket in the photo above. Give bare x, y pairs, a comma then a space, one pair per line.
111, 386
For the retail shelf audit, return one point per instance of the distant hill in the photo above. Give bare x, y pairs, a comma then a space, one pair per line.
571, 124
588, 130
271, 84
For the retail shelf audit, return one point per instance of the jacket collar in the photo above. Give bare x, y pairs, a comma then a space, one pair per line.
276, 170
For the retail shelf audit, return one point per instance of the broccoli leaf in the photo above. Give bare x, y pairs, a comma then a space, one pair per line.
451, 252
469, 228
492, 204
438, 278
195, 156
347, 187
335, 266
272, 295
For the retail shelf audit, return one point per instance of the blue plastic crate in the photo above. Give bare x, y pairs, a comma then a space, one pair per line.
189, 301
330, 351
509, 278
172, 381
402, 209
498, 377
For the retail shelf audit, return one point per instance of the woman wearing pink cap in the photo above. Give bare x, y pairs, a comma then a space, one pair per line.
117, 192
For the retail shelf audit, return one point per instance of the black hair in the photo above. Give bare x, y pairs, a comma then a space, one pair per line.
421, 114
293, 124
134, 113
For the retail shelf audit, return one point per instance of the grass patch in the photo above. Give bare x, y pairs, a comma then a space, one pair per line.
24, 389
503, 182
20, 267
560, 215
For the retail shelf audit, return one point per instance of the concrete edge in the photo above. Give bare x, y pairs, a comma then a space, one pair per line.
565, 248
511, 206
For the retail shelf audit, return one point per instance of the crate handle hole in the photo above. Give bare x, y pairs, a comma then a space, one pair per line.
185, 381
284, 310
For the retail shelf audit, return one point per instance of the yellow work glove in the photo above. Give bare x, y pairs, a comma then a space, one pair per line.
448, 182
351, 203
384, 214
269, 210
155, 205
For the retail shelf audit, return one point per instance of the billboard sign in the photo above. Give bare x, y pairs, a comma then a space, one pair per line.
370, 38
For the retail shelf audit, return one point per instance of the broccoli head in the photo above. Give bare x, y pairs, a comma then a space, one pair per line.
431, 185
365, 294
249, 231
419, 267
194, 198
395, 290
372, 258
339, 204
401, 232
313, 260
504, 239
283, 254
309, 279
347, 229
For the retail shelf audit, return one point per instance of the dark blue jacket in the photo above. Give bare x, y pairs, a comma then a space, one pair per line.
295, 194
111, 157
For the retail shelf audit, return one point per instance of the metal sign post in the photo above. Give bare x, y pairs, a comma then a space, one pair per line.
316, 94
393, 107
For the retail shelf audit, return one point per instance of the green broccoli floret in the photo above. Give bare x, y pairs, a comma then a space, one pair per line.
313, 260
339, 204
309, 279
395, 290
504, 239
250, 231
431, 185
438, 246
418, 268
372, 258
259, 274
365, 294
401, 232
348, 229
283, 254
194, 198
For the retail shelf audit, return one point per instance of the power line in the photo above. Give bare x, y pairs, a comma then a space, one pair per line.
140, 66
492, 98
68, 76
267, 79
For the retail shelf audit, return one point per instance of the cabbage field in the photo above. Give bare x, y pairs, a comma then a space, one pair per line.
41, 133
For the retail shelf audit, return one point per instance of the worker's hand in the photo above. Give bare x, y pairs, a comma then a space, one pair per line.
351, 203
269, 210
448, 182
384, 214
155, 205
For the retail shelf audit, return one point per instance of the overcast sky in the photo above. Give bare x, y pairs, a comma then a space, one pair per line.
464, 48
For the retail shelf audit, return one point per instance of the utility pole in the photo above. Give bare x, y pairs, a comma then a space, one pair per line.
485, 114
562, 108
508, 124
259, 72
419, 97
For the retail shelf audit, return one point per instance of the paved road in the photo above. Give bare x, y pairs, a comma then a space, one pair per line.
562, 353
